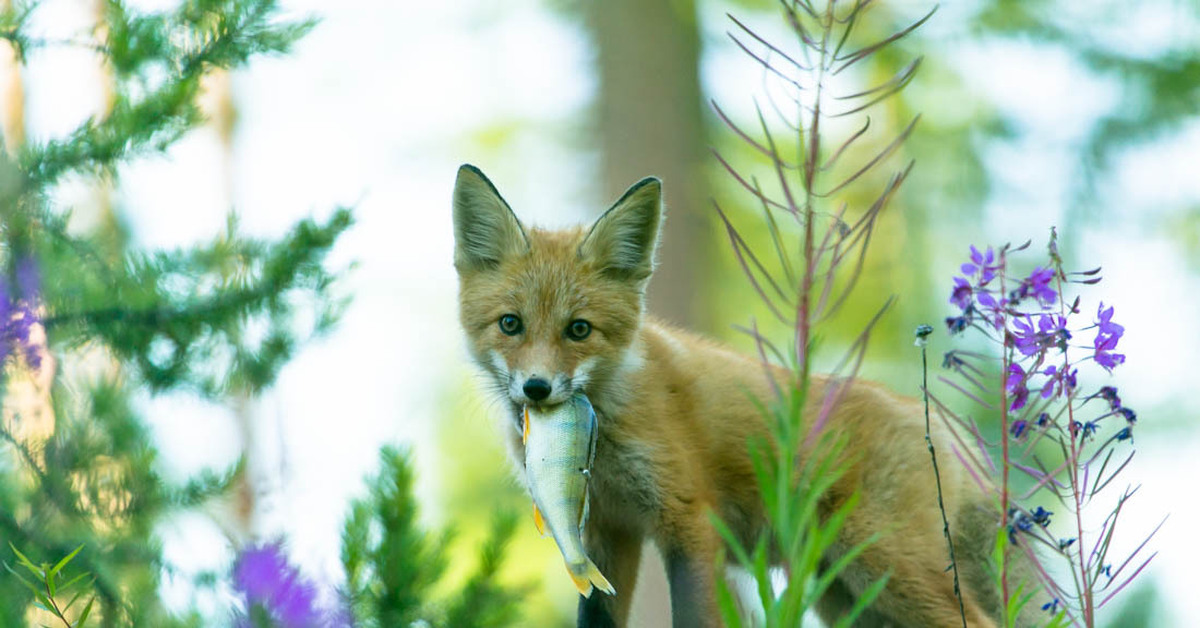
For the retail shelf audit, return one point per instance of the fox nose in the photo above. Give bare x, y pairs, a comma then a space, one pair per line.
537, 388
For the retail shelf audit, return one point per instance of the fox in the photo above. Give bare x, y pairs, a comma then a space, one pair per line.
548, 314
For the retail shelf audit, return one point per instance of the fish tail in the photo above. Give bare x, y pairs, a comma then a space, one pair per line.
587, 577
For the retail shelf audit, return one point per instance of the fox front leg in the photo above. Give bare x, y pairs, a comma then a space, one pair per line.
616, 553
689, 549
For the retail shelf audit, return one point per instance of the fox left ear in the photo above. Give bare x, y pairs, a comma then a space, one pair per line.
623, 241
485, 229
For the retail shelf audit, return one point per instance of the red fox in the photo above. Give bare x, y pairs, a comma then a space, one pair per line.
551, 313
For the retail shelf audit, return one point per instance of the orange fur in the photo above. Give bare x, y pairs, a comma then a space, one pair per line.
675, 420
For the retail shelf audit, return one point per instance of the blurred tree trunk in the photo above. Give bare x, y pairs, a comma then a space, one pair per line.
650, 123
13, 123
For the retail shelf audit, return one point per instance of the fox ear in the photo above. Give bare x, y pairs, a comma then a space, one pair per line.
624, 239
485, 228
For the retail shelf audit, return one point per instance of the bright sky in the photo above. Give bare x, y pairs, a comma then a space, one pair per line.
379, 106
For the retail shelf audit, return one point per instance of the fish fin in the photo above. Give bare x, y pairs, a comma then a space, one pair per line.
525, 426
539, 521
593, 432
590, 579
583, 514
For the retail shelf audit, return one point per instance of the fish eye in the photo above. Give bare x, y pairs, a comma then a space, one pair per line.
511, 325
578, 329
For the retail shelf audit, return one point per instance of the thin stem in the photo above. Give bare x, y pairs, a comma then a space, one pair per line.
1007, 356
938, 480
57, 612
1085, 592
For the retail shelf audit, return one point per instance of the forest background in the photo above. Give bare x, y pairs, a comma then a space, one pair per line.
1080, 116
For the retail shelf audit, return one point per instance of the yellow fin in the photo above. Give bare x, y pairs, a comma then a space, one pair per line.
591, 576
525, 426
538, 521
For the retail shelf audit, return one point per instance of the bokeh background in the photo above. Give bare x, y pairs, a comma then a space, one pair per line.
1084, 116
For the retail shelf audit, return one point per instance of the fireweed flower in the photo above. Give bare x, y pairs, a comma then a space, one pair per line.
950, 360
982, 263
1109, 394
1025, 337
18, 315
957, 323
1035, 325
961, 295
1039, 285
1015, 384
1108, 334
264, 578
1041, 516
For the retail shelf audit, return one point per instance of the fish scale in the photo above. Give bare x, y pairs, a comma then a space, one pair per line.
560, 444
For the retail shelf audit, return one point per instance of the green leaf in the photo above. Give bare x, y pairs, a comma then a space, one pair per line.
87, 610
28, 564
866, 599
725, 600
32, 588
78, 593
63, 563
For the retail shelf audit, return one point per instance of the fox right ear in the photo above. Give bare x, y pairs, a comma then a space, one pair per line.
485, 228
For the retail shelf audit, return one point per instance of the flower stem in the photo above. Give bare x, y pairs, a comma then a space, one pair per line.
938, 480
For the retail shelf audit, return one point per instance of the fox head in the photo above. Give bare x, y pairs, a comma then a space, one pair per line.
551, 313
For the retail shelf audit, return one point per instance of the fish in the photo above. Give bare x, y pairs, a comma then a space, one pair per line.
560, 444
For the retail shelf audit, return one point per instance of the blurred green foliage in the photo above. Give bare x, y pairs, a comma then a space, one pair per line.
393, 567
77, 463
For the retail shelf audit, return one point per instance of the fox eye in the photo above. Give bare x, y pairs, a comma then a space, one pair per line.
579, 329
511, 325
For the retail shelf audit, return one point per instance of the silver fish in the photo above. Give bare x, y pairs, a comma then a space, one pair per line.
560, 444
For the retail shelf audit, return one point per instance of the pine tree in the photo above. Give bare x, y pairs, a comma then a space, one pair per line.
88, 319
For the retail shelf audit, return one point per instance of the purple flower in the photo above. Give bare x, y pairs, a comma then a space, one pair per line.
1104, 356
982, 263
264, 577
1088, 429
1025, 338
1105, 322
951, 360
1015, 384
1016, 375
957, 323
961, 294
1018, 429
1054, 329
1020, 522
1043, 419
1041, 516
1039, 285
1126, 433
1129, 414
1109, 394
1052, 606
18, 315
1108, 334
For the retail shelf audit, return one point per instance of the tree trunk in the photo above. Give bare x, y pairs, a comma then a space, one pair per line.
650, 122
